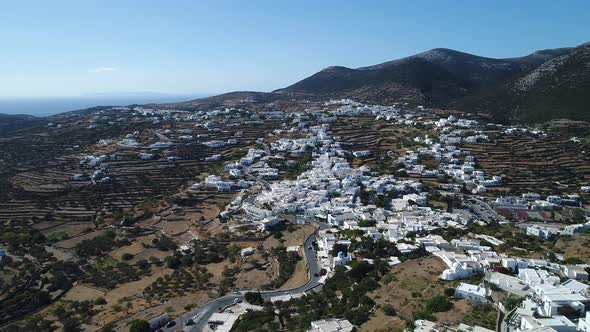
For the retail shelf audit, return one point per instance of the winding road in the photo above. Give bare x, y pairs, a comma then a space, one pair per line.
202, 314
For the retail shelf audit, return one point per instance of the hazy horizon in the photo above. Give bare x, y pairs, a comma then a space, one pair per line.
51, 105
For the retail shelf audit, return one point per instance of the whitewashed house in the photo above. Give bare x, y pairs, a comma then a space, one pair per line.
472, 293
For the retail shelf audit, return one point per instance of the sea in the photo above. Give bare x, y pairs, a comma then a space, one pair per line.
46, 106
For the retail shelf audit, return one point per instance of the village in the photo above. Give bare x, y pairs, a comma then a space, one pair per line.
258, 172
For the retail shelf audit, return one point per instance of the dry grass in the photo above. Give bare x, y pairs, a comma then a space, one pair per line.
251, 277
413, 283
134, 248
294, 238
381, 322
72, 242
577, 247
300, 276
82, 292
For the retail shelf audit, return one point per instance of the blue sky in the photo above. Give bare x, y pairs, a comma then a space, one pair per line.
61, 48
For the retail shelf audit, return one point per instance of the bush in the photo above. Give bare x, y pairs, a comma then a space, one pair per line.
139, 325
71, 325
97, 246
254, 298
389, 310
450, 292
512, 302
172, 262
127, 256
287, 262
165, 243
100, 301
256, 321
387, 279
438, 304
143, 264
110, 327
424, 314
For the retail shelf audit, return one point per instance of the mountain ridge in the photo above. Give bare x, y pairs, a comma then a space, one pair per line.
451, 75
558, 88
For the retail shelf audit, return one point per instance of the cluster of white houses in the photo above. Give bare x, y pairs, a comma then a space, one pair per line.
534, 201
330, 190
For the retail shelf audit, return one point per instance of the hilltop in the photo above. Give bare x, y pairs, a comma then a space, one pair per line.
434, 77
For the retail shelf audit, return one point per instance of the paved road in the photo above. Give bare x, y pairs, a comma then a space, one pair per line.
500, 321
265, 184
483, 210
202, 314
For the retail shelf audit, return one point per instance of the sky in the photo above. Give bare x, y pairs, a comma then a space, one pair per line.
70, 48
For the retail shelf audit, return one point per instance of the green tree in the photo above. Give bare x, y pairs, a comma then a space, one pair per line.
439, 304
71, 325
512, 302
100, 301
450, 292
110, 327
172, 262
387, 279
139, 325
389, 310
254, 298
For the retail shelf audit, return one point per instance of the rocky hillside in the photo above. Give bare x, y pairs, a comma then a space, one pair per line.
435, 77
558, 88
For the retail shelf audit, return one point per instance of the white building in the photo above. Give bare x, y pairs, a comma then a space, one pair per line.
341, 259
405, 248
557, 323
361, 154
267, 223
534, 277
472, 293
511, 202
247, 251
544, 233
575, 272
256, 212
531, 197
416, 198
331, 325
554, 199
584, 323
460, 266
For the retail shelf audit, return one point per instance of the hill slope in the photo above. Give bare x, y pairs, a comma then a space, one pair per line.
435, 77
558, 88
10, 123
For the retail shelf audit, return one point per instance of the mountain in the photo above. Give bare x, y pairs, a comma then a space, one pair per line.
558, 88
435, 77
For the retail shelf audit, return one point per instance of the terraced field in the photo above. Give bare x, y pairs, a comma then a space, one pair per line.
377, 136
543, 164
37, 186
